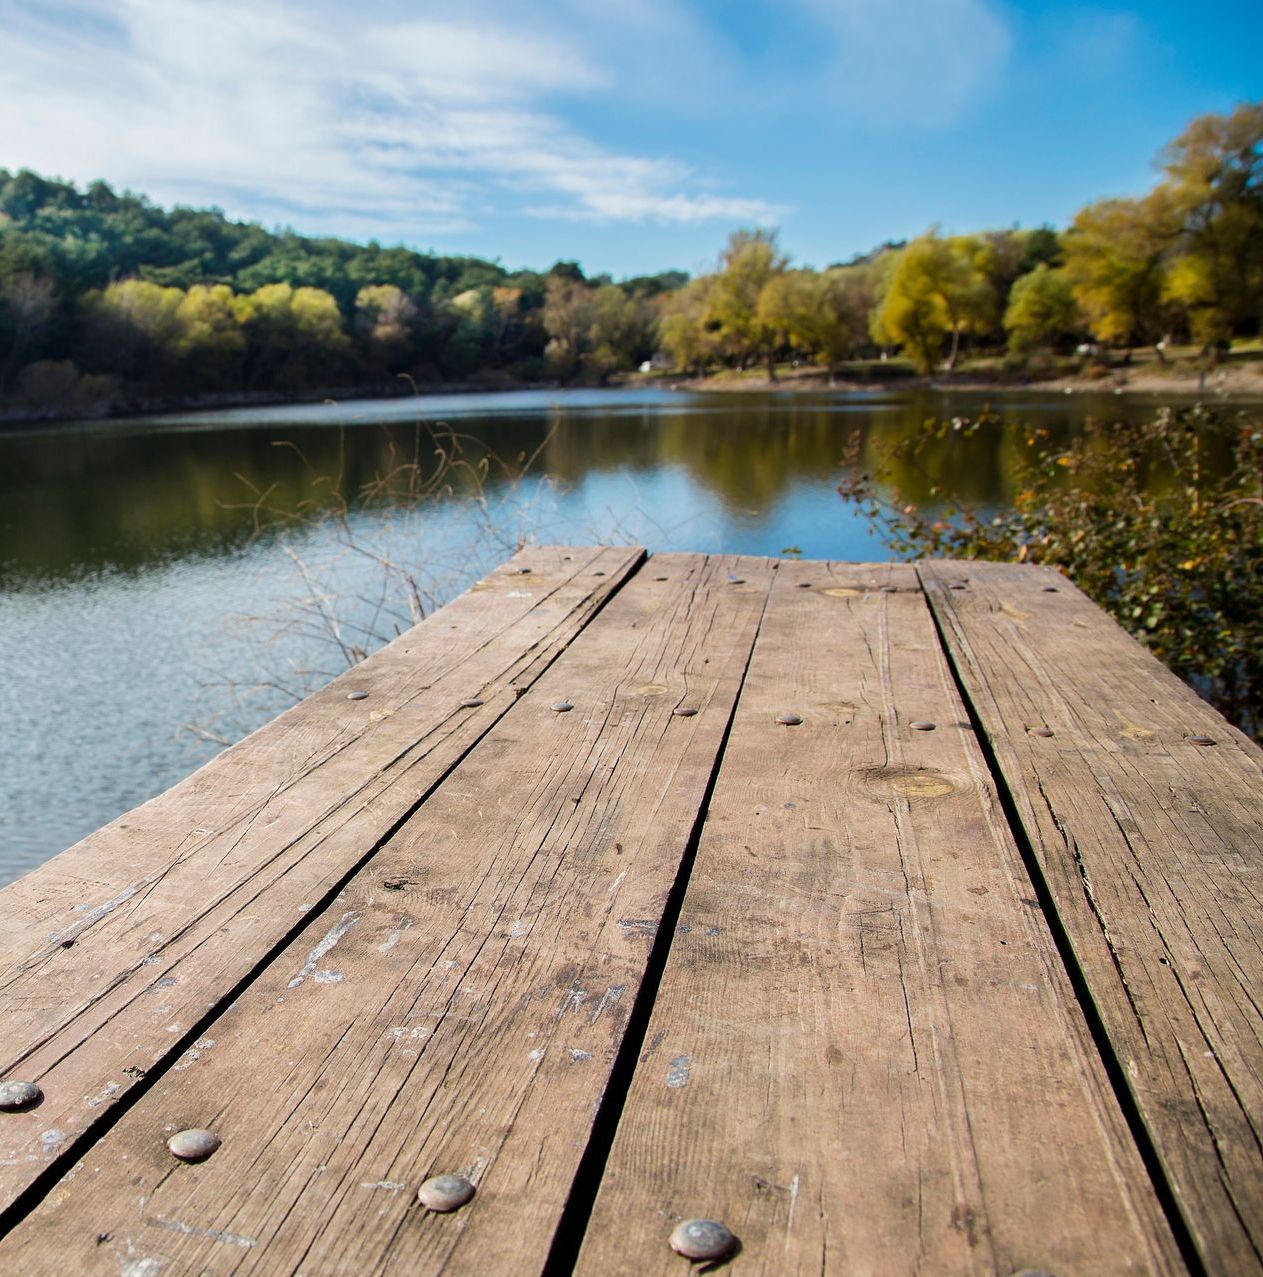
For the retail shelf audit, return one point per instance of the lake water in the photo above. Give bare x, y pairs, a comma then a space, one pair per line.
155, 602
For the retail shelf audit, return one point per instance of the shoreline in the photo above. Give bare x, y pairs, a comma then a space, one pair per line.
1236, 384
160, 405
1243, 383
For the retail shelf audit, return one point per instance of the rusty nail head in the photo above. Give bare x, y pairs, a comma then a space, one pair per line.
790, 720
683, 711
445, 1193
804, 585
1041, 731
1201, 740
357, 696
193, 1145
16, 1096
562, 707
702, 1239
661, 578
470, 702
922, 726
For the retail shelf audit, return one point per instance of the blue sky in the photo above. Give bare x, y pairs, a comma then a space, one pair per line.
629, 134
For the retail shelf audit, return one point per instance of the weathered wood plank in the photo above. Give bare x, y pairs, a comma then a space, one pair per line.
460, 1005
865, 1056
1152, 849
112, 953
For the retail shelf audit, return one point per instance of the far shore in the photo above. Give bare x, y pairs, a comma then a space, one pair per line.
1244, 381
1235, 382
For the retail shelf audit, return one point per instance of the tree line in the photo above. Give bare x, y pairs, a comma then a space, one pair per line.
106, 298
1181, 264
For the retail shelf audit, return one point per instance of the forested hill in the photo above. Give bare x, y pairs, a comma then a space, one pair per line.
101, 291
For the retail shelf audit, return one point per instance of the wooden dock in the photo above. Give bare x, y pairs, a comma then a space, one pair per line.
904, 918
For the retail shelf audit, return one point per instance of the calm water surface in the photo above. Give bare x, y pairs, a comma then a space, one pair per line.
149, 613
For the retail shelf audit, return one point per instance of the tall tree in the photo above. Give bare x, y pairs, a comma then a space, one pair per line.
1214, 176
931, 291
1116, 253
1042, 310
749, 262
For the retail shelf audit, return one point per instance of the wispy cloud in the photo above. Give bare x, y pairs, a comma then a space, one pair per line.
409, 118
374, 118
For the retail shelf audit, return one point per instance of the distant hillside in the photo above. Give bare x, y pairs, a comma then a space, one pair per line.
106, 298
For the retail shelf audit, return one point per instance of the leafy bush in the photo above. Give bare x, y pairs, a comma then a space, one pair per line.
1159, 521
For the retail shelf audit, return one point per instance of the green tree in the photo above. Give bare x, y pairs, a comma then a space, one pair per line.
1214, 177
132, 328
785, 312
844, 297
1042, 310
749, 262
685, 330
295, 335
1116, 254
208, 338
931, 291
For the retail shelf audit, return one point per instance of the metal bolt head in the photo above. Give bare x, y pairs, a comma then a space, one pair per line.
702, 1239
921, 725
684, 711
470, 702
16, 1096
357, 696
193, 1145
1201, 740
444, 1193
790, 720
561, 707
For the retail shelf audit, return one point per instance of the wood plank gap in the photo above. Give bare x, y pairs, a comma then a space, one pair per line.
577, 1212
1078, 981
20, 1206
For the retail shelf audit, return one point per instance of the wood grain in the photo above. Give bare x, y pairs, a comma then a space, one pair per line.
113, 952
1152, 849
865, 1056
459, 1006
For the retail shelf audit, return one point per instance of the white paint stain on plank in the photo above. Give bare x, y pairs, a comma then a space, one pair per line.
678, 1073
213, 1234
331, 938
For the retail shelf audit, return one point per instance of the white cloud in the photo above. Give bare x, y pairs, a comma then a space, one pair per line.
371, 119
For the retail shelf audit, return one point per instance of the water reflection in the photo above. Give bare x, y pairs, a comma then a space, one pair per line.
130, 564
128, 496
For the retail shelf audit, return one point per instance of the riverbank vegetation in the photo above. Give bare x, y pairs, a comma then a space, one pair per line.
109, 302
